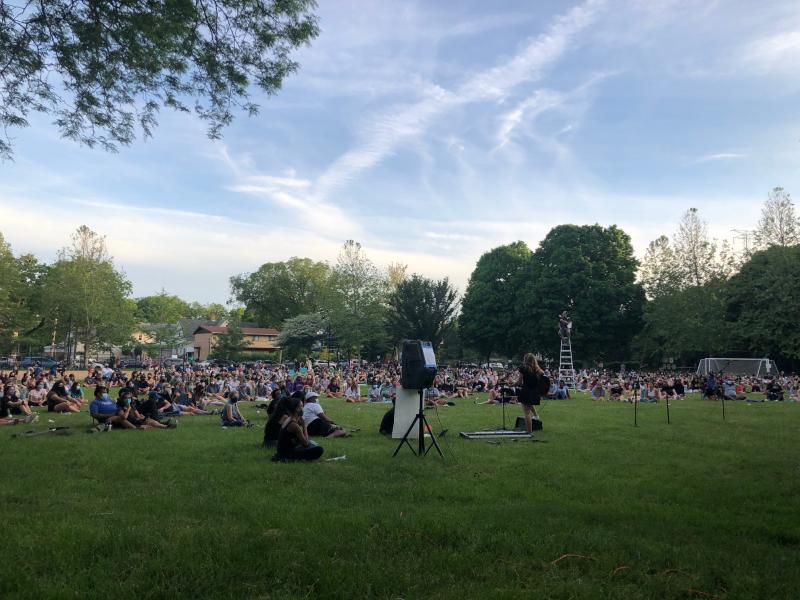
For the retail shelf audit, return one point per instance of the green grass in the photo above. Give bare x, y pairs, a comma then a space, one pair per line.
699, 508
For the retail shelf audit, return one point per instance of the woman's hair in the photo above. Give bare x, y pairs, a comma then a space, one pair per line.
293, 404
530, 361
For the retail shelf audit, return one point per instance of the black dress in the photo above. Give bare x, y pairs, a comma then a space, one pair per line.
529, 393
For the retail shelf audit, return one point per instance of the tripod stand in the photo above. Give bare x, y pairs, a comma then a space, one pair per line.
423, 424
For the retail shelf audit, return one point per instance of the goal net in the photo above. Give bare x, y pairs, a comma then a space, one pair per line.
760, 367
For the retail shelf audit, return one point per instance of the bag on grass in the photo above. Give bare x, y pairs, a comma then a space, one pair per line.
543, 385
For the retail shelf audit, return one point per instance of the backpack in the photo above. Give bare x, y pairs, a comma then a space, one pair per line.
542, 384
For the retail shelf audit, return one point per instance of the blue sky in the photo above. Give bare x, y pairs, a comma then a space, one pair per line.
434, 131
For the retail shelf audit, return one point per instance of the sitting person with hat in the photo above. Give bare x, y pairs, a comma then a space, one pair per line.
316, 421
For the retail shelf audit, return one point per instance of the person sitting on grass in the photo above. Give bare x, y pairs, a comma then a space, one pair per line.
374, 393
12, 404
562, 392
335, 388
293, 443
774, 390
38, 395
231, 417
76, 393
616, 390
352, 392
729, 390
59, 400
316, 421
104, 410
130, 416
598, 392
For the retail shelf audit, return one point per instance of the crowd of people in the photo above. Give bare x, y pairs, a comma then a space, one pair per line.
154, 398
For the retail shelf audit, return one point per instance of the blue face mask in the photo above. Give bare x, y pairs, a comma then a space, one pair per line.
106, 397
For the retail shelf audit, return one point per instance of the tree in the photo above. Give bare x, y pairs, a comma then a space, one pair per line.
355, 301
778, 225
281, 290
85, 298
17, 298
422, 309
169, 337
161, 308
590, 271
231, 343
763, 301
659, 272
686, 325
104, 68
208, 312
488, 308
695, 253
300, 333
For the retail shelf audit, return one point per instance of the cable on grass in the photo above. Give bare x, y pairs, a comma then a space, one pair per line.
447, 446
620, 569
566, 556
677, 572
702, 594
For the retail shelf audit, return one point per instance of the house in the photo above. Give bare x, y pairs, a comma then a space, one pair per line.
256, 339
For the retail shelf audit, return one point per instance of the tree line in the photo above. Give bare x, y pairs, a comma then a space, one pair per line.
687, 298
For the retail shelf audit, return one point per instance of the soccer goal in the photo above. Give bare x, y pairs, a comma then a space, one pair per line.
760, 367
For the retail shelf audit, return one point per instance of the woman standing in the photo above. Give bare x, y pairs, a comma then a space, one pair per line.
530, 373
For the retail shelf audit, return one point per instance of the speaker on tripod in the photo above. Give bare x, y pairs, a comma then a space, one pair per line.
418, 364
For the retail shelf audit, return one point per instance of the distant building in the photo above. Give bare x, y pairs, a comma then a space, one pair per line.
258, 339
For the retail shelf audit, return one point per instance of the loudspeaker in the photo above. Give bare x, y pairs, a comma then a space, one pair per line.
536, 424
418, 363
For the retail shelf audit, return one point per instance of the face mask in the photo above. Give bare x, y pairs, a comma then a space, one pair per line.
127, 401
106, 397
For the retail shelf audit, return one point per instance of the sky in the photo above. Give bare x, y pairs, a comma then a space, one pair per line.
433, 131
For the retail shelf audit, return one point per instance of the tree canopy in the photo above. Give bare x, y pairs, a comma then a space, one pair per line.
281, 290
421, 308
104, 69
590, 271
161, 308
488, 314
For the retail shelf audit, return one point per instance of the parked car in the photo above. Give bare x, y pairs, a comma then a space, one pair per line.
6, 362
493, 365
132, 364
43, 361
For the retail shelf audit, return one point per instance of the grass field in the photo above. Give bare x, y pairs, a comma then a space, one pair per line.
596, 508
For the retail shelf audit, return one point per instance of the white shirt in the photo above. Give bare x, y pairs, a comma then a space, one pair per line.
311, 412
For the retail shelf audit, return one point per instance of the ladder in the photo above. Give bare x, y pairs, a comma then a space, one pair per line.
566, 370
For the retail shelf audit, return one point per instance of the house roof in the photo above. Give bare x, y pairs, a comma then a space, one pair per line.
245, 330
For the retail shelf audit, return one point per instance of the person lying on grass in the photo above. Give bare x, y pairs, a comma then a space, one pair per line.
317, 423
231, 417
59, 400
293, 442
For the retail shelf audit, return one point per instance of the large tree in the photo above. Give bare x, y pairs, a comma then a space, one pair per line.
422, 309
779, 225
281, 290
763, 303
85, 298
102, 69
161, 308
695, 253
488, 308
590, 271
659, 271
355, 301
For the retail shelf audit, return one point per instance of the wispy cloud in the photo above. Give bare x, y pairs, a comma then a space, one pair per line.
382, 135
776, 52
720, 156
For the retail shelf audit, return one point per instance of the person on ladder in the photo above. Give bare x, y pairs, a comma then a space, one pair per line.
564, 326
528, 396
